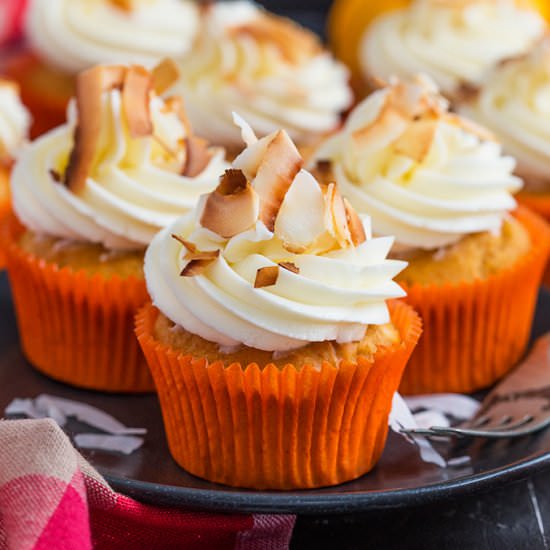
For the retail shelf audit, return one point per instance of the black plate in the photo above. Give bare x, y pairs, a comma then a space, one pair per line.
150, 475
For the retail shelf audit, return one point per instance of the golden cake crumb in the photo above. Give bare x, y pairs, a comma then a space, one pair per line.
313, 354
476, 256
92, 258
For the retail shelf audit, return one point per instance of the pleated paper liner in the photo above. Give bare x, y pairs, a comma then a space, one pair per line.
539, 203
44, 91
4, 205
474, 333
74, 327
269, 428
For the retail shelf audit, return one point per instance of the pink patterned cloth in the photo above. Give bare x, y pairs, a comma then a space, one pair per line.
50, 497
11, 19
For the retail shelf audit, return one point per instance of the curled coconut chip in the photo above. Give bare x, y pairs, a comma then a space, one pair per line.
275, 175
197, 260
165, 74
232, 207
289, 266
136, 91
198, 156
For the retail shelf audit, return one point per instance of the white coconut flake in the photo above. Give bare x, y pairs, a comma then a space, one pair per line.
124, 444
247, 133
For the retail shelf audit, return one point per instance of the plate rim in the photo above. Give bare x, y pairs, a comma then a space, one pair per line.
278, 502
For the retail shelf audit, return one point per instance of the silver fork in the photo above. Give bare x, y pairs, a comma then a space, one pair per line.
517, 406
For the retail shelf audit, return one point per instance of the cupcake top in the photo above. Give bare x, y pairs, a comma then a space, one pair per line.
425, 175
272, 258
273, 72
454, 41
124, 165
515, 103
74, 35
14, 120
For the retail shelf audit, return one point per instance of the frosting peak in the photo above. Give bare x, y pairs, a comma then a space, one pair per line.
267, 68
125, 164
272, 258
424, 174
454, 41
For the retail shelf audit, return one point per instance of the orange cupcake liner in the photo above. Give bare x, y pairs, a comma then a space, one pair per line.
474, 333
269, 428
540, 204
44, 91
5, 207
77, 328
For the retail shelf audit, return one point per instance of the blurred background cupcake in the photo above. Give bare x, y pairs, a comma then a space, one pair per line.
272, 328
455, 42
440, 185
67, 36
91, 195
268, 69
14, 127
514, 102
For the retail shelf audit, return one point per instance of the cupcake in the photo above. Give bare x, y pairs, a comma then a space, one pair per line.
273, 349
514, 102
267, 68
440, 184
89, 196
14, 127
69, 36
455, 42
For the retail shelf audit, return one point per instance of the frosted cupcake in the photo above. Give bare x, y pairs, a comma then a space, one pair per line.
90, 195
271, 71
454, 41
272, 328
69, 36
14, 127
441, 185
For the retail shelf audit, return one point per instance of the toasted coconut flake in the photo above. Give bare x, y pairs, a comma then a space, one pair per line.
355, 224
205, 255
196, 267
191, 247
294, 43
266, 276
232, 207
56, 176
469, 126
289, 266
175, 104
125, 5
90, 85
198, 156
275, 175
387, 127
135, 101
416, 141
323, 171
337, 208
165, 74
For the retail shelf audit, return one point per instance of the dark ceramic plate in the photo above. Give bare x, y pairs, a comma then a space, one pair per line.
150, 474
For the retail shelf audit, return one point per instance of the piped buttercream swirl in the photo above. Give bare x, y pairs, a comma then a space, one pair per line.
274, 73
134, 185
453, 41
306, 278
14, 120
425, 175
73, 35
514, 102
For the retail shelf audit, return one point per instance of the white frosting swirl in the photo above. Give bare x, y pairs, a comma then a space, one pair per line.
459, 184
73, 35
273, 73
515, 103
453, 41
14, 120
335, 295
133, 190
